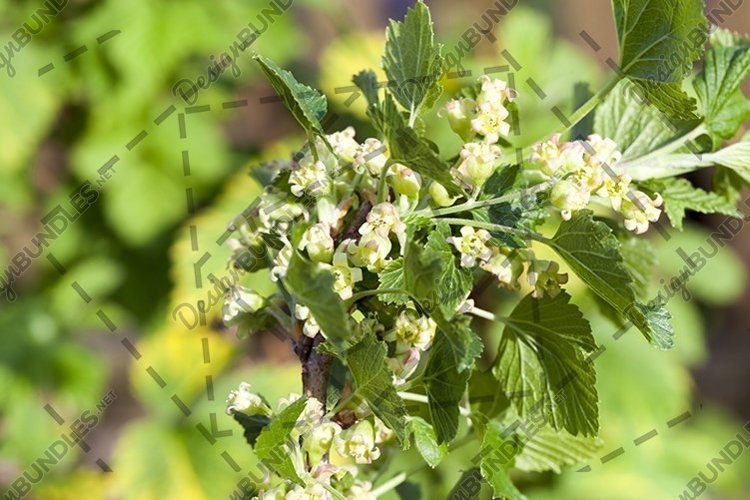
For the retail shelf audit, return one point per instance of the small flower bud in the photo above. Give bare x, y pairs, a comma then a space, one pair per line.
440, 195
460, 112
404, 180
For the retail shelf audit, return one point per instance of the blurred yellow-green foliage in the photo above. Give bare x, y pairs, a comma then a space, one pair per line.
135, 251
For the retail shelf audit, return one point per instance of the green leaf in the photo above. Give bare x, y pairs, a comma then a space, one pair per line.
718, 86
445, 386
550, 449
640, 260
486, 397
374, 383
408, 148
308, 106
680, 195
273, 446
392, 276
367, 81
669, 99
453, 283
313, 286
501, 181
593, 253
432, 276
727, 184
420, 273
426, 441
498, 455
252, 425
542, 363
637, 127
659, 41
412, 60
465, 344
468, 485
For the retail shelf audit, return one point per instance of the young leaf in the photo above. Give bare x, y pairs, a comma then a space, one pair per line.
392, 276
308, 106
408, 148
445, 386
426, 441
313, 287
718, 86
592, 252
412, 60
679, 195
374, 383
637, 127
454, 282
465, 344
431, 275
272, 444
542, 363
650, 34
498, 455
550, 449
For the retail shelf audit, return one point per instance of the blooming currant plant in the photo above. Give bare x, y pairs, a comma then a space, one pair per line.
380, 245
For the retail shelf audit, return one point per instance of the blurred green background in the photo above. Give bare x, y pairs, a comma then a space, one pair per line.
171, 196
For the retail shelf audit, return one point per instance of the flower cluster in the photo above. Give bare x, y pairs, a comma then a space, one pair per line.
318, 440
579, 170
481, 122
351, 210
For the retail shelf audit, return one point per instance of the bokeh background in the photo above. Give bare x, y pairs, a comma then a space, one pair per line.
135, 251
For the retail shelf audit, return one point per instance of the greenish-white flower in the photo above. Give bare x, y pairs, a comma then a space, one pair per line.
240, 300
472, 245
318, 243
370, 155
319, 440
245, 401
460, 113
343, 144
383, 219
568, 196
309, 177
310, 328
479, 161
639, 209
281, 262
371, 251
403, 364
504, 268
358, 442
555, 159
361, 490
546, 279
344, 276
315, 491
412, 330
